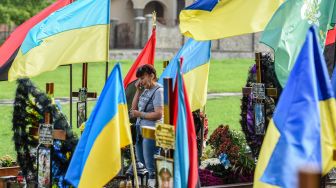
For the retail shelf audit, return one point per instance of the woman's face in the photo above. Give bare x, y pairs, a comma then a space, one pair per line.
147, 80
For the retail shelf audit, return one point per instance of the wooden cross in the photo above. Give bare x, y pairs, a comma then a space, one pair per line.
309, 178
57, 134
82, 95
50, 89
47, 135
259, 93
84, 84
165, 64
272, 92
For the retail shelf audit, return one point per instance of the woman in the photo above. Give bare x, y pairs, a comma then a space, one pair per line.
147, 107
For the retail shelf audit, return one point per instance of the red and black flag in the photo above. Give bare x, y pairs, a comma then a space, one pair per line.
145, 57
9, 49
330, 50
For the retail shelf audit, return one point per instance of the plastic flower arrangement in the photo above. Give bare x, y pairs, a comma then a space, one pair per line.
233, 166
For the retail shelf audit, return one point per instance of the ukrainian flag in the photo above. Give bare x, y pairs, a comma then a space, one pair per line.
303, 127
76, 33
97, 158
195, 69
215, 19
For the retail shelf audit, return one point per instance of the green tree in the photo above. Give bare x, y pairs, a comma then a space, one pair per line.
17, 11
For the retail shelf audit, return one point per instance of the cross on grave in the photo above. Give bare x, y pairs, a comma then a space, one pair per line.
47, 134
57, 134
82, 95
258, 93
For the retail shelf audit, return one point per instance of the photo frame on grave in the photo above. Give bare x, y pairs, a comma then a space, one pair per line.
259, 118
44, 167
81, 113
164, 172
82, 94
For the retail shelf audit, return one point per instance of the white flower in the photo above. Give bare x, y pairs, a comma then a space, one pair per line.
211, 161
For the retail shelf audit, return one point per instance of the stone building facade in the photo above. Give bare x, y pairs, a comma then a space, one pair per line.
131, 24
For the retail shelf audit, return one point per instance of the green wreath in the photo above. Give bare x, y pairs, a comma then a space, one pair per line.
29, 106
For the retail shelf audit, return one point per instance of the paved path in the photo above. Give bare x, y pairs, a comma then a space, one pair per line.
65, 100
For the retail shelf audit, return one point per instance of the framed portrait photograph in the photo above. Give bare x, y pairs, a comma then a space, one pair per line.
259, 118
164, 172
44, 167
81, 113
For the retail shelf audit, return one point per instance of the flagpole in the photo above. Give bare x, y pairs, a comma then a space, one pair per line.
135, 173
107, 45
154, 20
70, 65
70, 70
334, 56
202, 132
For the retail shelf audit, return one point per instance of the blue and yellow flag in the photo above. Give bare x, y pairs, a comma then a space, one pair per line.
195, 69
97, 158
302, 131
76, 33
214, 19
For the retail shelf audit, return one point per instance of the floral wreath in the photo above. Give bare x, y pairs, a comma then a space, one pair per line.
29, 106
247, 114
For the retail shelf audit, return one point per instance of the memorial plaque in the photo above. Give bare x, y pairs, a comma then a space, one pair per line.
165, 136
258, 91
46, 134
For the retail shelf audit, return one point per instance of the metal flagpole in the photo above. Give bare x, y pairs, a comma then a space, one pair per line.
135, 173
70, 95
107, 48
71, 1
202, 132
106, 70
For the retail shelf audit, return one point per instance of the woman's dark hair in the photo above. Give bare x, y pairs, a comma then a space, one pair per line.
149, 69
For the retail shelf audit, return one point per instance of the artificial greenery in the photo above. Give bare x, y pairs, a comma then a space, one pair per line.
29, 106
247, 114
7, 161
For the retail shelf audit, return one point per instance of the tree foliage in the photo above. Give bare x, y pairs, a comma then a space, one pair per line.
18, 11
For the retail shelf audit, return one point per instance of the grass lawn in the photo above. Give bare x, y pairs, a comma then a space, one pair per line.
224, 111
228, 75
6, 133
225, 76
228, 114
